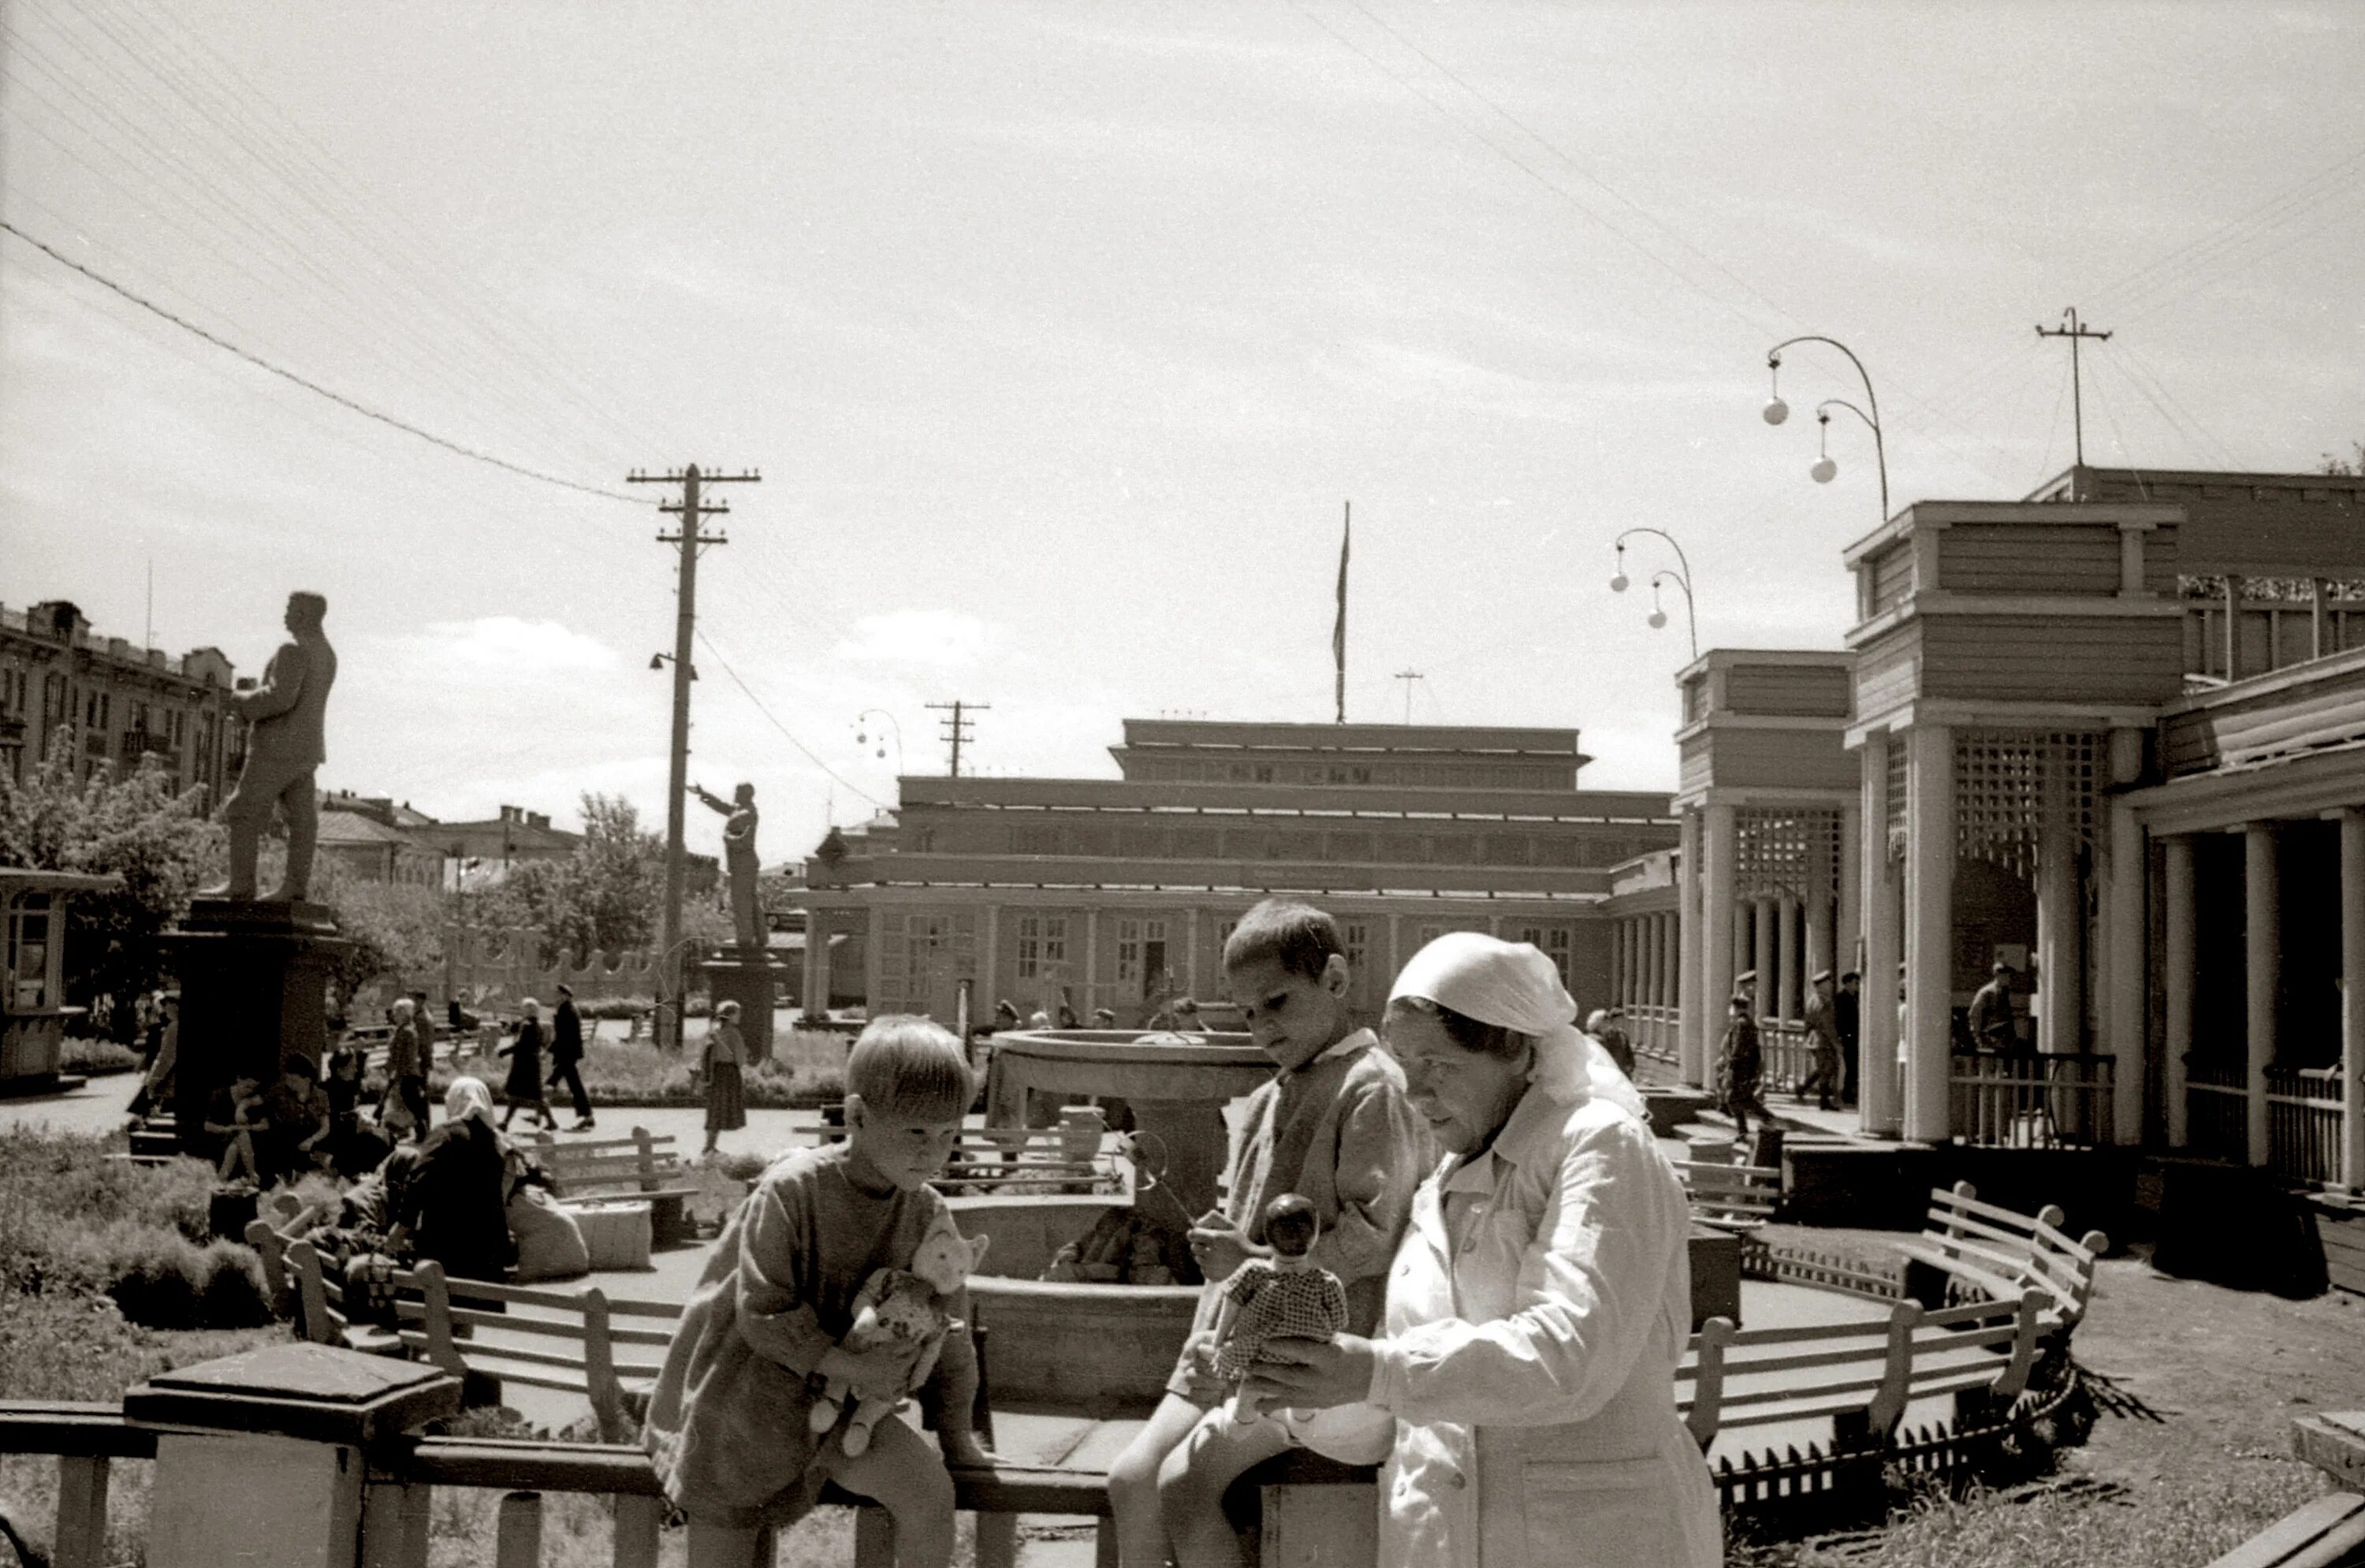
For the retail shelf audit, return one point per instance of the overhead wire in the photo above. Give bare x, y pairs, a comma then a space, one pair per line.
333, 396
811, 755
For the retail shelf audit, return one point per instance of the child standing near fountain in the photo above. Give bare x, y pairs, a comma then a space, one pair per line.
1334, 1125
729, 1426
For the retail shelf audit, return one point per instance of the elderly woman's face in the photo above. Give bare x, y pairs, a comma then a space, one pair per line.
1466, 1096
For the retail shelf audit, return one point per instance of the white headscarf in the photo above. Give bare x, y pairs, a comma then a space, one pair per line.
1513, 986
468, 1097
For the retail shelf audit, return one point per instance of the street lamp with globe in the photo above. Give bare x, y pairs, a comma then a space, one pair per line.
867, 733
1825, 466
1681, 579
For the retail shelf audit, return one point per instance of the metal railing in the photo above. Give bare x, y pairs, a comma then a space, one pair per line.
2031, 1101
1655, 1033
1787, 1050
2304, 1123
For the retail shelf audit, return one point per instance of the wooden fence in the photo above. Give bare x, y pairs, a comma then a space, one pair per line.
2304, 1123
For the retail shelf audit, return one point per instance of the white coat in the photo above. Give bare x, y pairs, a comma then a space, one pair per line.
1530, 1357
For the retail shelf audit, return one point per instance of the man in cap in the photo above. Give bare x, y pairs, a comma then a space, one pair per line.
1823, 1038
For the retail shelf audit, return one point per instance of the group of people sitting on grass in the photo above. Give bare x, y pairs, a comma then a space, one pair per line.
1452, 1248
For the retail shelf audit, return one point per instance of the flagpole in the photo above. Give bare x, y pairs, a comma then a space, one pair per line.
1339, 632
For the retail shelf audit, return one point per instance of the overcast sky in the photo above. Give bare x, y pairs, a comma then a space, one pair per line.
1060, 332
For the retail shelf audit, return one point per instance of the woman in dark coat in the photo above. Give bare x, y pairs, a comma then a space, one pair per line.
450, 1209
524, 1085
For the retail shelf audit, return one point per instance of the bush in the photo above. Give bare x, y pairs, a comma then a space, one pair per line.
91, 1057
163, 1282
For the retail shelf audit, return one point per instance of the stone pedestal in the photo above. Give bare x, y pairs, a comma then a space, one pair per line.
260, 1459
751, 979
254, 983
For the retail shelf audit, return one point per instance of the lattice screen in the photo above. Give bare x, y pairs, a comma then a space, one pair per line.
1779, 852
2010, 783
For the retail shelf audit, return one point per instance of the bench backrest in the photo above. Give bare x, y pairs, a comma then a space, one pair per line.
1733, 1196
1862, 1375
2022, 1249
642, 1162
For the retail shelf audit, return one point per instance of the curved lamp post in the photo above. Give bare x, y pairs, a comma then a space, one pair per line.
865, 738
1776, 410
1682, 578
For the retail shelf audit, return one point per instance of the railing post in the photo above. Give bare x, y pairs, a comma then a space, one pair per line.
1888, 1402
648, 1161
81, 1537
1708, 1381
638, 1523
393, 1525
435, 1300
260, 1457
519, 1544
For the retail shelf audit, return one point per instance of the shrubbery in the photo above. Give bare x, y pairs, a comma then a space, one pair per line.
88, 1056
806, 1066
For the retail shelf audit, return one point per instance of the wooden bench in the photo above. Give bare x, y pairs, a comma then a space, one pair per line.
643, 1166
1064, 1159
1861, 1376
1730, 1197
2000, 1253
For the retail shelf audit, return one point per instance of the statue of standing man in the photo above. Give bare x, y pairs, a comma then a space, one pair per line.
285, 744
739, 861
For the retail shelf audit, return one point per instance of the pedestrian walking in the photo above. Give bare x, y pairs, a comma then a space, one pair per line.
566, 1055
406, 1066
523, 1086
1823, 1037
1993, 1023
156, 1088
1739, 1067
1847, 1017
1608, 1028
725, 1056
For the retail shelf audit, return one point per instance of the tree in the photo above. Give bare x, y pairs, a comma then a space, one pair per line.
133, 826
2353, 465
602, 899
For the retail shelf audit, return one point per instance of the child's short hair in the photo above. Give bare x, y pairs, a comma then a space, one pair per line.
904, 1065
1291, 1225
1299, 937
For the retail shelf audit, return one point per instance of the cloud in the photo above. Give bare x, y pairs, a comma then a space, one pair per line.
944, 639
510, 645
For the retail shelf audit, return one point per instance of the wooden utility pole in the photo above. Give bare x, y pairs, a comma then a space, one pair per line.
956, 726
2074, 331
692, 509
1408, 676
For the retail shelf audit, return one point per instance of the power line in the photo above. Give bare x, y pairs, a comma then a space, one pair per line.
790, 735
311, 386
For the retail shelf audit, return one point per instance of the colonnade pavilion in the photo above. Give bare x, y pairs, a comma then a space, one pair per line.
2112, 736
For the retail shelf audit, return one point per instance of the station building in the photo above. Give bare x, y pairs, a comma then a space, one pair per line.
1119, 893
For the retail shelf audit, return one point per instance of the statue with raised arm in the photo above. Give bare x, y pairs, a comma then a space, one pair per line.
739, 861
285, 744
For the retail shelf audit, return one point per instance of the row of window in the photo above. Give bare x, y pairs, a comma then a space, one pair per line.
1417, 775
1348, 848
1143, 951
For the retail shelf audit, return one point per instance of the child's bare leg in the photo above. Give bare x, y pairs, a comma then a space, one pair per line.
900, 1472
1133, 1482
1191, 1486
722, 1546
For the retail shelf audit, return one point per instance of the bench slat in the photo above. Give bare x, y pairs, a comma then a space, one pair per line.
548, 1327
1942, 1199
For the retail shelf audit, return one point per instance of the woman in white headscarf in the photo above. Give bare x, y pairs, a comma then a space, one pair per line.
452, 1207
1540, 1300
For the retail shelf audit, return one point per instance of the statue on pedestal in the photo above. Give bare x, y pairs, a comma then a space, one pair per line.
285, 745
739, 862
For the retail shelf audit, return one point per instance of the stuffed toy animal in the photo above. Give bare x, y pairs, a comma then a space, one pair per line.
906, 1309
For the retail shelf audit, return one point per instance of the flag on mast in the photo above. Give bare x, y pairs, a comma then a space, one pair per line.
1338, 630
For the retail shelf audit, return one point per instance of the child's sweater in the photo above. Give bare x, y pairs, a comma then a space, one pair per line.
727, 1427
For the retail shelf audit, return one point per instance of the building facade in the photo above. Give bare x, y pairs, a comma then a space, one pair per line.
1119, 893
374, 839
2111, 738
115, 705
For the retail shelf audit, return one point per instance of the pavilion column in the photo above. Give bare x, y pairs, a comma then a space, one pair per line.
1092, 998
2123, 941
2262, 943
1670, 950
1763, 996
1878, 1103
1819, 942
2060, 919
2181, 963
1847, 933
1691, 996
1660, 945
1929, 931
1716, 922
2352, 998
817, 976
1786, 959
1626, 946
